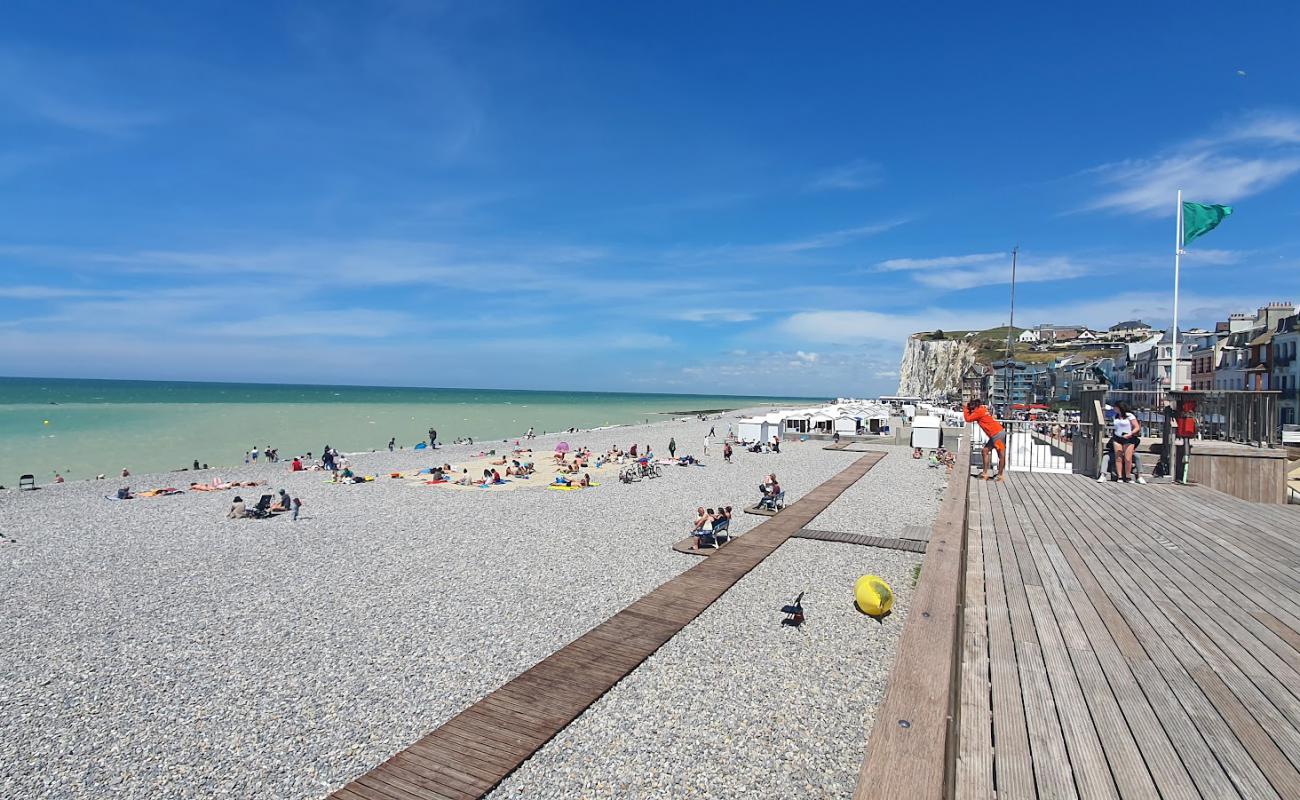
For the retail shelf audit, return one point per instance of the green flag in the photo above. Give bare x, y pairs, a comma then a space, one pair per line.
1199, 220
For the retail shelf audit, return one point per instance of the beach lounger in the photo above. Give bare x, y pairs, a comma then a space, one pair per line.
708, 538
263, 508
26, 482
722, 528
775, 503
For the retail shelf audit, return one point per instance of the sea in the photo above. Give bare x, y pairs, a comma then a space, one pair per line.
82, 428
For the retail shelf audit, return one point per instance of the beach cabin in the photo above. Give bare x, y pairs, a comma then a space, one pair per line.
759, 429
927, 432
823, 422
847, 424
797, 422
876, 422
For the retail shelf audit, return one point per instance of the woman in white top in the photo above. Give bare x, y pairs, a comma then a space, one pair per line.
1125, 441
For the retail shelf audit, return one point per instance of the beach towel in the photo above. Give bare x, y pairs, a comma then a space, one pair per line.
434, 483
158, 492
421, 446
494, 483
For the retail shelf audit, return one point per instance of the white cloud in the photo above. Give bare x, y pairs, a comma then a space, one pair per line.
983, 269
900, 264
636, 341
808, 357
1212, 257
856, 174
714, 315
874, 327
1251, 157
859, 327
1049, 269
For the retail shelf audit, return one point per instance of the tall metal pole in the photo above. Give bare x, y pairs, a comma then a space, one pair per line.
1178, 251
1011, 330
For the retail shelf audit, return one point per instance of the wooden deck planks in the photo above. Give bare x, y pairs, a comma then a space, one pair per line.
1158, 562
473, 751
1123, 641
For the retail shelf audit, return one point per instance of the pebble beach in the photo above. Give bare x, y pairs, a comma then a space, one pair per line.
154, 648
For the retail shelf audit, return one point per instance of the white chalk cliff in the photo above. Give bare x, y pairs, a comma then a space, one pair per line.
933, 367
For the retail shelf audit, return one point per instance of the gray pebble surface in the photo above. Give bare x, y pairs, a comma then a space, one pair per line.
153, 648
738, 705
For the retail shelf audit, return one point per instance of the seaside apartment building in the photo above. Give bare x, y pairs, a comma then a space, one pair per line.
1129, 329
1286, 368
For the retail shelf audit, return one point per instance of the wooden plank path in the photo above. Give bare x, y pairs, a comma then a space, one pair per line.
887, 542
473, 751
1123, 641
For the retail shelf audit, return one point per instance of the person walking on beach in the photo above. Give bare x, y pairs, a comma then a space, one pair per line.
530, 433
707, 436
726, 452
672, 447
712, 431
297, 508
979, 413
391, 443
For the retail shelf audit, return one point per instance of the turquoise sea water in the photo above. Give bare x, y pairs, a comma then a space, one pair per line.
85, 427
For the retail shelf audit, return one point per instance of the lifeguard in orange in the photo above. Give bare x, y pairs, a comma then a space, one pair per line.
979, 413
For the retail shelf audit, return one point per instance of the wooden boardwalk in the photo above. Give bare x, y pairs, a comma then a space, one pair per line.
1127, 642
887, 542
473, 751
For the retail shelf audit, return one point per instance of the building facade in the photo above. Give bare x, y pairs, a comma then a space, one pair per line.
1286, 368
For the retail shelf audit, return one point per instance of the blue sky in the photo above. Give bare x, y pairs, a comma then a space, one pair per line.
713, 197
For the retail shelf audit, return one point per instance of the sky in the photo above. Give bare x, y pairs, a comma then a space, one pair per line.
718, 197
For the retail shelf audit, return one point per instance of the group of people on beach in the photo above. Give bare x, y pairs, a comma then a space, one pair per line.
250, 456
709, 523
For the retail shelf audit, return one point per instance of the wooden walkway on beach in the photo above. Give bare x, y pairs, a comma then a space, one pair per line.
473, 751
1116, 641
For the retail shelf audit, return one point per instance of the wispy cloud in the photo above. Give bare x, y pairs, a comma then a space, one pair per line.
856, 174
714, 315
872, 327
1256, 154
1058, 268
946, 262
62, 93
983, 269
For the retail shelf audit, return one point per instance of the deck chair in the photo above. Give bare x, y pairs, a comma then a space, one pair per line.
722, 528
26, 482
709, 538
263, 508
773, 503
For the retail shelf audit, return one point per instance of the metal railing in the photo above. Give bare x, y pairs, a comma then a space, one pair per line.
1244, 417
1036, 445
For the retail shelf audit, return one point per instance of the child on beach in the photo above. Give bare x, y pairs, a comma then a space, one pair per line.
297, 508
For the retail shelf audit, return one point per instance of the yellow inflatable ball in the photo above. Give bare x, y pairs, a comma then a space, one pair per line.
873, 596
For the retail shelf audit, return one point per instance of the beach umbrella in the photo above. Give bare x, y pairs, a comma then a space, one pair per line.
562, 447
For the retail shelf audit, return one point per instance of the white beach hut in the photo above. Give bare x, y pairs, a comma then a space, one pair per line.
927, 432
846, 423
751, 429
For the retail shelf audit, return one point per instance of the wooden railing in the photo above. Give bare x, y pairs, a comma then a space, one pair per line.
910, 752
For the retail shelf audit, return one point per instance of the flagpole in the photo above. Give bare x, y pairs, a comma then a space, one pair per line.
1178, 251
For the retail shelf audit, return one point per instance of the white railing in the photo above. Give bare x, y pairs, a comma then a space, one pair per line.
1033, 446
